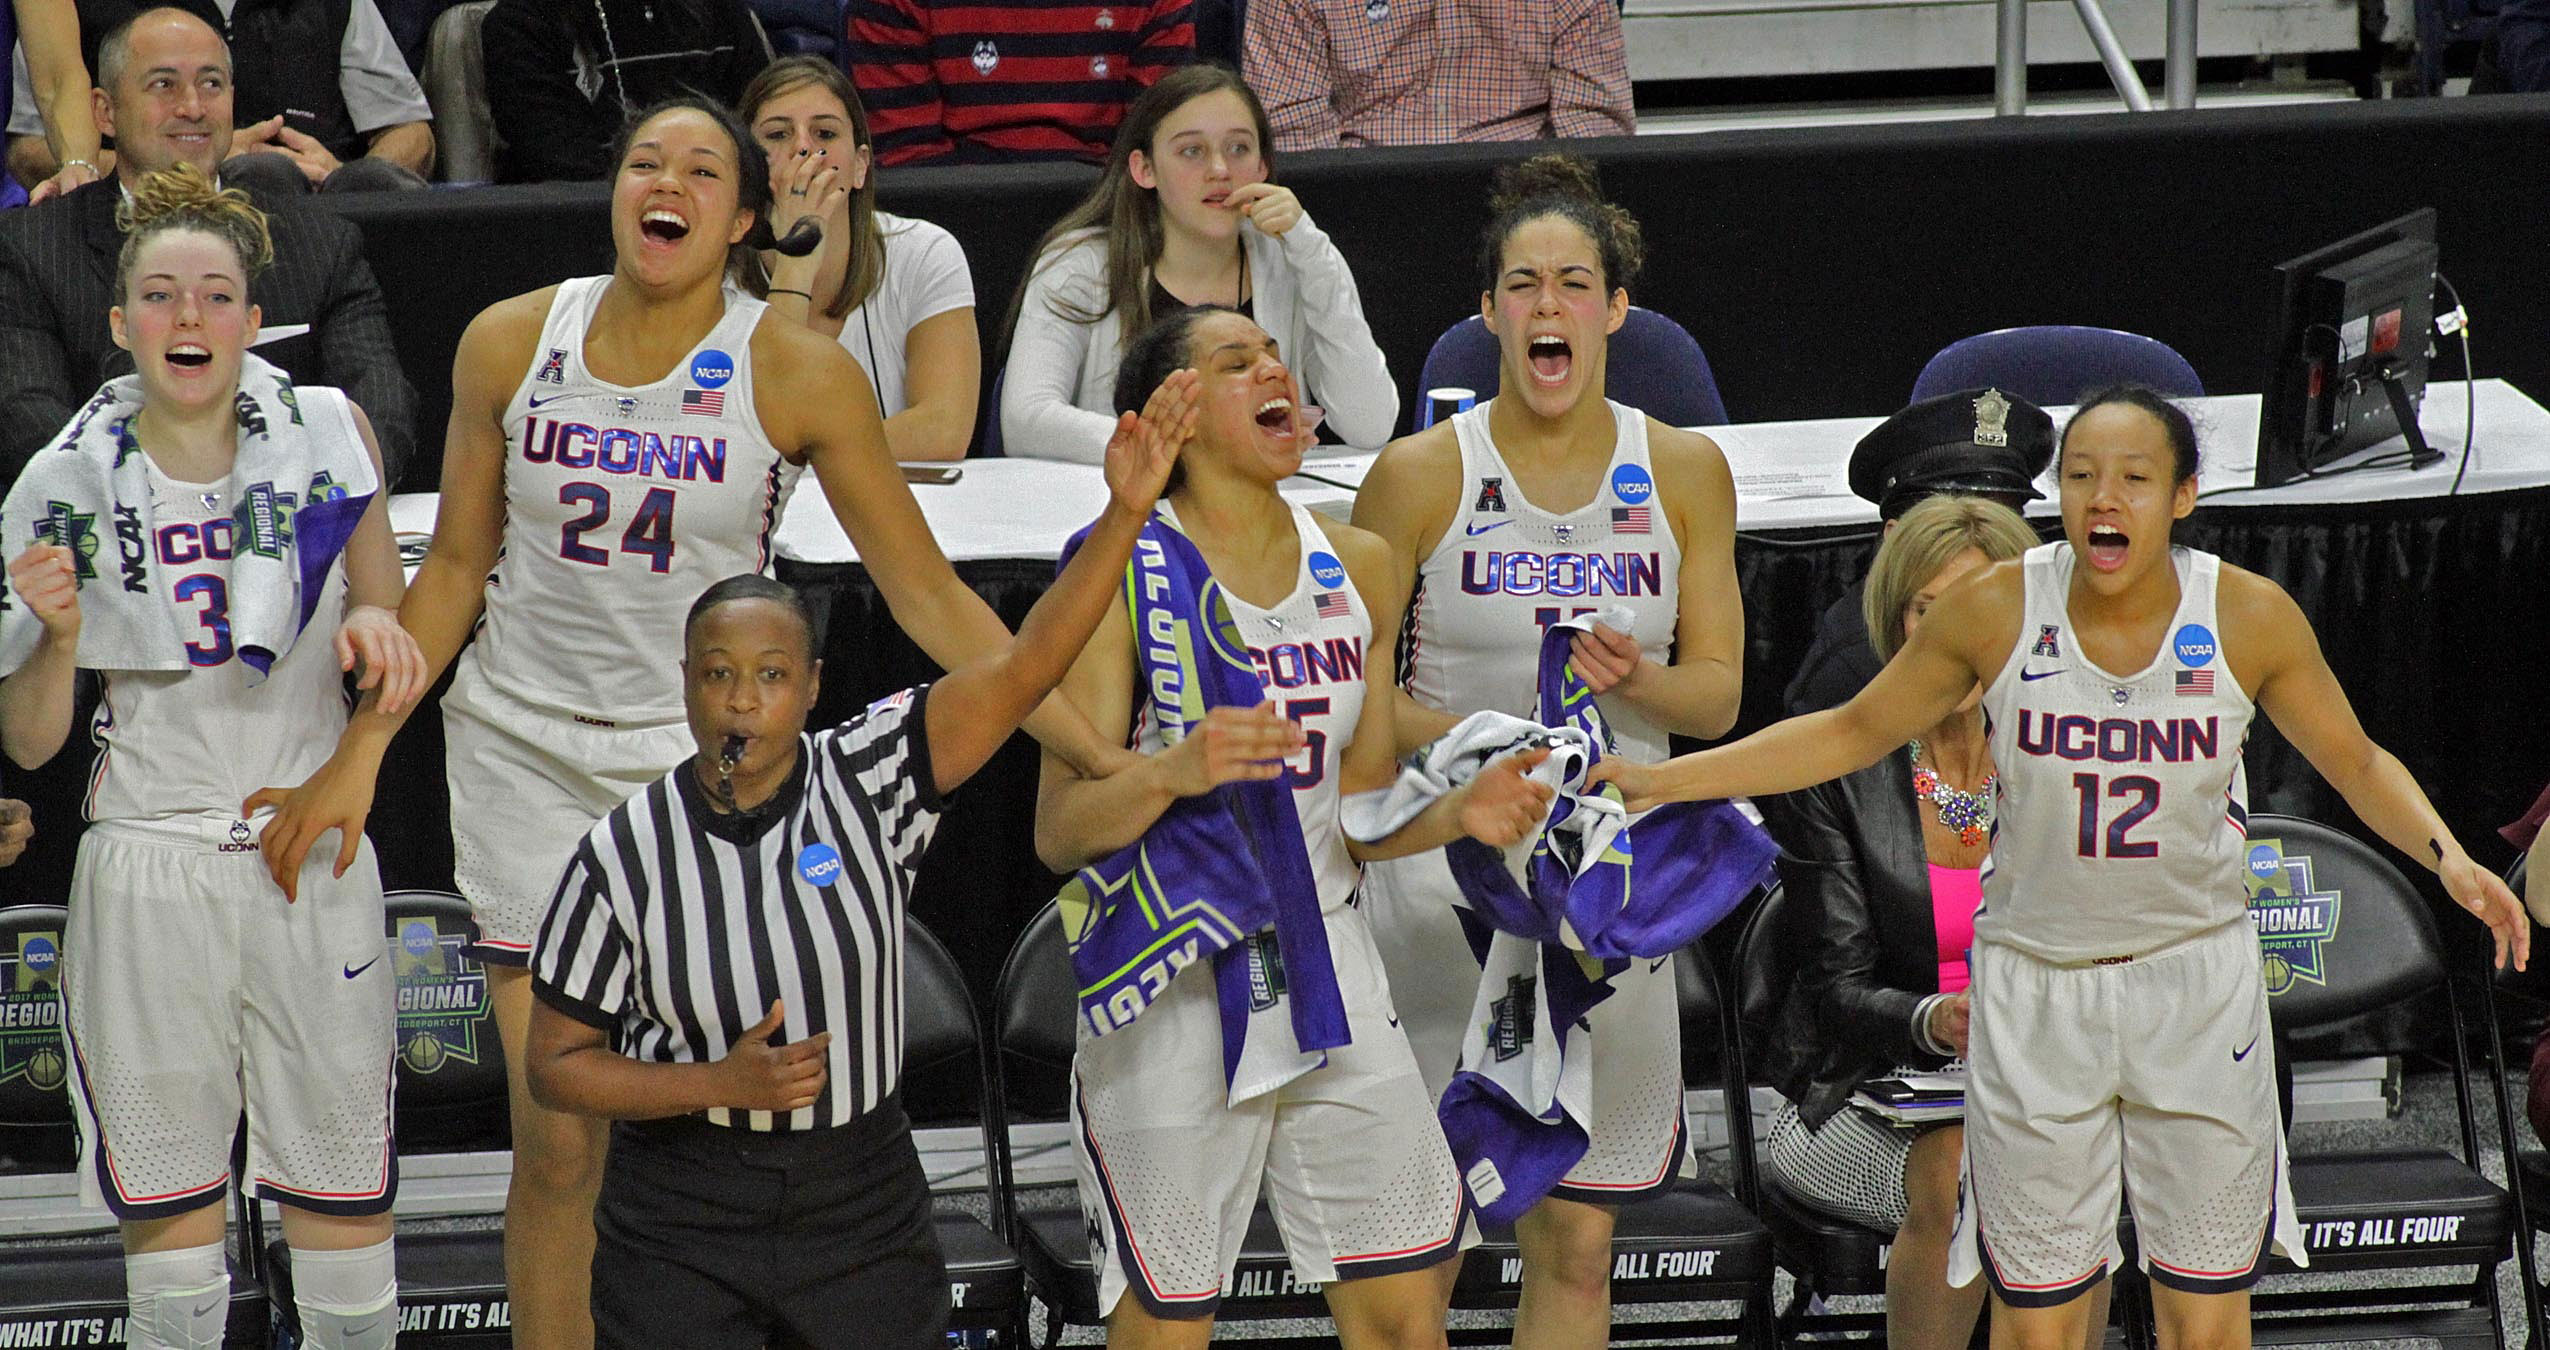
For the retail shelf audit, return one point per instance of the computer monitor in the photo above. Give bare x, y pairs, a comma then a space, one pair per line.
2346, 361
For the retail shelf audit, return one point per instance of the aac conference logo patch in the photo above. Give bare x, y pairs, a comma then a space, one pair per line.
442, 994
31, 1012
2295, 918
819, 865
1632, 485
711, 368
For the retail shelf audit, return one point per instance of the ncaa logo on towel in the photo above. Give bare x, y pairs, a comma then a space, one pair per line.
1325, 570
1631, 484
711, 368
2194, 645
819, 865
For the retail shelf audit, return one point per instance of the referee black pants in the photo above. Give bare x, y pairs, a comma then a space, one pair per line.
709, 1238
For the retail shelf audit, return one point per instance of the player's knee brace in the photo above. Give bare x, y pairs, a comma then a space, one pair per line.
348, 1299
179, 1300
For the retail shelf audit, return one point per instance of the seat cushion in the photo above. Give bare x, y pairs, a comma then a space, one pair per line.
984, 1281
1692, 1242
70, 1293
1831, 1256
2407, 1207
1058, 1263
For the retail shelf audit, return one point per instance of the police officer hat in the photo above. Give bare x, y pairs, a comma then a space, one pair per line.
1979, 441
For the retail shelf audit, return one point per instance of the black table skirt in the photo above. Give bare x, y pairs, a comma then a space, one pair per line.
2435, 614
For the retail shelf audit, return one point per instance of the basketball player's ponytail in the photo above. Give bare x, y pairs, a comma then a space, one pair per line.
180, 197
1556, 184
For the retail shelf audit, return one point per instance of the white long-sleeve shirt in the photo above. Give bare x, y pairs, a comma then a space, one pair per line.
1059, 397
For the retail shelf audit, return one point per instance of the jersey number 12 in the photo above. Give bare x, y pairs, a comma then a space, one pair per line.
2145, 793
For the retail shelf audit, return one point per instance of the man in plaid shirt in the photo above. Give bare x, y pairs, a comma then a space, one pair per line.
1416, 72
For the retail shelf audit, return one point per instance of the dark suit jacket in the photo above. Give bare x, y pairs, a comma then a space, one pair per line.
1860, 934
1839, 662
57, 279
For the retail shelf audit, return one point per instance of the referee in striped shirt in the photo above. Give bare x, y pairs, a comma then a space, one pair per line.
721, 968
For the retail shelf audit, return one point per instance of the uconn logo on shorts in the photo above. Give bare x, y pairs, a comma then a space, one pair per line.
1326, 571
1632, 485
819, 865
711, 368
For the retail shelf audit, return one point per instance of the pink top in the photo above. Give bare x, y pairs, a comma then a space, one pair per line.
1955, 894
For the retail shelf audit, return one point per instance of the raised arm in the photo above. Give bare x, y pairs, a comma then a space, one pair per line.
2278, 658
815, 401
1964, 641
975, 708
1408, 498
1699, 692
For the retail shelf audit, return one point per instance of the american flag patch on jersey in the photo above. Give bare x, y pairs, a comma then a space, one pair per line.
2195, 682
704, 402
1631, 519
1330, 604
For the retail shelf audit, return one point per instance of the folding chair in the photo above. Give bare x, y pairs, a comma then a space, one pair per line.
944, 1085
68, 1290
2052, 365
2342, 932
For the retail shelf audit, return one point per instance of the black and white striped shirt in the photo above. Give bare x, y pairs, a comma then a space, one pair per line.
675, 927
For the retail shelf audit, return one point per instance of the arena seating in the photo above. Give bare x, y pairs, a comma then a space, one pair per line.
1654, 365
2053, 365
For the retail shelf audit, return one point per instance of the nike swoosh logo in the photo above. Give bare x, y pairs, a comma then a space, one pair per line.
1474, 531
279, 332
535, 401
2243, 1052
2042, 674
1394, 1019
353, 971
207, 1309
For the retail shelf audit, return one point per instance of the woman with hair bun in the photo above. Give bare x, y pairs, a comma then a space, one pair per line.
618, 443
214, 543
1188, 212
1547, 502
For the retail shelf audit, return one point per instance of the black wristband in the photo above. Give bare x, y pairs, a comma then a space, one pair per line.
782, 290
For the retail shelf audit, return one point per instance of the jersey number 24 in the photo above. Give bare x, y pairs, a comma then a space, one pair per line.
649, 534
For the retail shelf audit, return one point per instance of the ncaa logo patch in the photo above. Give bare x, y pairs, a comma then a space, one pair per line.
1631, 484
37, 960
1326, 570
819, 865
711, 368
2295, 919
2194, 645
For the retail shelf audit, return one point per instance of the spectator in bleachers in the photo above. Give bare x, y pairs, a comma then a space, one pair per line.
894, 291
323, 98
1943, 444
1880, 867
1421, 72
165, 93
563, 77
48, 65
1002, 81
1188, 213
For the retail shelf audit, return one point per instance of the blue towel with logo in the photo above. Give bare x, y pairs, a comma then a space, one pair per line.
302, 481
1214, 871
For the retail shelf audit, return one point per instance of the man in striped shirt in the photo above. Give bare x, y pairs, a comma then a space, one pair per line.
1003, 81
721, 968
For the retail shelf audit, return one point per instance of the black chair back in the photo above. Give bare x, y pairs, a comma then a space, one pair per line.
942, 1039
2340, 931
1039, 1008
33, 1070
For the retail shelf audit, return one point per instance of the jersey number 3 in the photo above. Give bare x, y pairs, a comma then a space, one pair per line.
649, 535
2145, 793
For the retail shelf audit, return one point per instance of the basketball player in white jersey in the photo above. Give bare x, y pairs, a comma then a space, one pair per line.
618, 443
192, 989
1360, 1180
2118, 1035
1547, 502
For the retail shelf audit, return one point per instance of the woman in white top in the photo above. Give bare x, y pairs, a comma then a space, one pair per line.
1188, 213
893, 290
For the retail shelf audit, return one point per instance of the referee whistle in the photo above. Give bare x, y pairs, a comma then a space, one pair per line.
730, 754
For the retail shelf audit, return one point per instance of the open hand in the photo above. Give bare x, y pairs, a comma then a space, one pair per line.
388, 655
1145, 447
64, 179
759, 1076
337, 797
1232, 745
1605, 658
1501, 807
47, 578
2484, 894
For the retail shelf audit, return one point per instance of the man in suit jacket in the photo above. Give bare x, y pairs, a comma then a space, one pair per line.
164, 87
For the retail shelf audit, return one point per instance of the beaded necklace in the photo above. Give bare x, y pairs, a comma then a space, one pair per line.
1968, 813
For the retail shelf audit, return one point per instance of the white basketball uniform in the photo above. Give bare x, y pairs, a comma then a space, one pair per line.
1349, 1156
1504, 571
191, 989
2119, 1043
622, 504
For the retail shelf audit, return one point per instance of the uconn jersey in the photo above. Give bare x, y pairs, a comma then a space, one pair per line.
2124, 807
1506, 570
622, 504
1309, 650
200, 740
